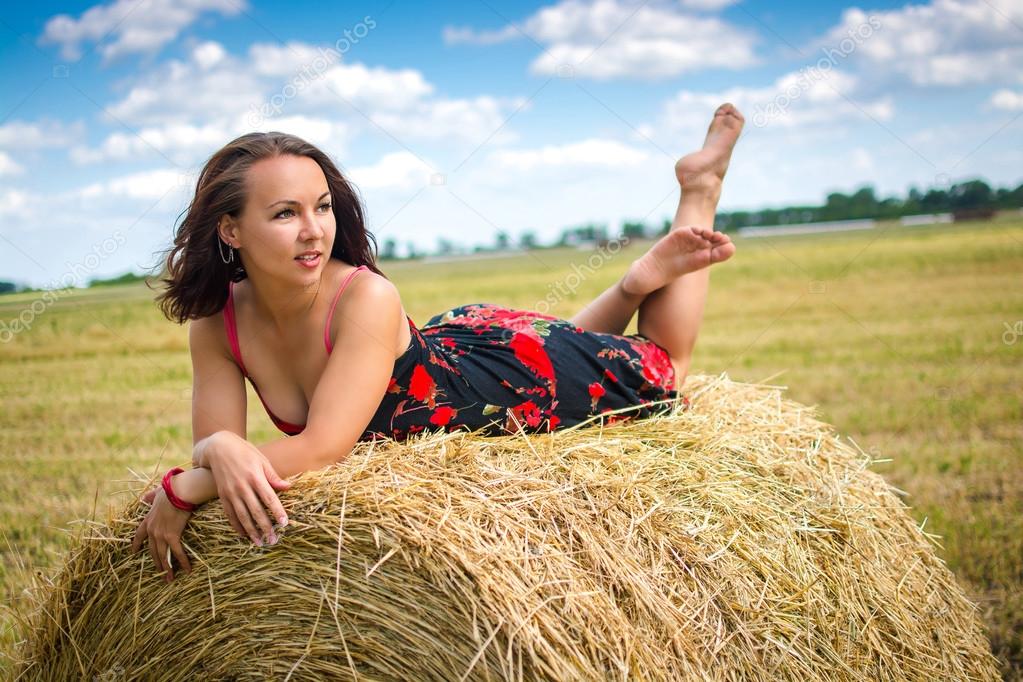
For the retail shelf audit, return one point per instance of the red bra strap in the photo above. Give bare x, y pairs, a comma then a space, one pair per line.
232, 330
330, 313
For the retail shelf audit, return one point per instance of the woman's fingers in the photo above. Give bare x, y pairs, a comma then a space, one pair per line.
241, 509
232, 517
140, 536
179, 551
168, 568
271, 502
259, 514
154, 552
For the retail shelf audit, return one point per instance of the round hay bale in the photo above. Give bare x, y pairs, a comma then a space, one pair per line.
739, 539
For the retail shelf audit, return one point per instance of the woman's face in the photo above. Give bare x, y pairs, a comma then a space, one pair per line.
287, 212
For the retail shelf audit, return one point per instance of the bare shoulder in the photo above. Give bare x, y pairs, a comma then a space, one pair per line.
372, 298
207, 335
218, 385
367, 290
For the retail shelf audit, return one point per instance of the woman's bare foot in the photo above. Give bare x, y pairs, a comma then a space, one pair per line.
682, 250
704, 170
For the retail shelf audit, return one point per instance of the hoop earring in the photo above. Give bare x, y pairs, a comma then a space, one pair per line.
230, 250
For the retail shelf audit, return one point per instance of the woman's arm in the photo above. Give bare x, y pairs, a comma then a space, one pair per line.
195, 485
347, 396
288, 456
349, 392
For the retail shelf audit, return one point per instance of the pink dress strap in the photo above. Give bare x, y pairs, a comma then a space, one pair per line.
232, 329
330, 313
230, 324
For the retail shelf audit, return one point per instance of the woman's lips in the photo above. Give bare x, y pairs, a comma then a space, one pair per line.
311, 263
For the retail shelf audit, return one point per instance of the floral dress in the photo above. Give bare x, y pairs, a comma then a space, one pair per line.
483, 367
487, 368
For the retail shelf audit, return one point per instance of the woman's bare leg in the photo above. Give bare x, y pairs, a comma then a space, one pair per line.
668, 285
674, 255
609, 313
670, 316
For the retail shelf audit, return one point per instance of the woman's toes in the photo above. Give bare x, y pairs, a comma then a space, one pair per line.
722, 252
715, 237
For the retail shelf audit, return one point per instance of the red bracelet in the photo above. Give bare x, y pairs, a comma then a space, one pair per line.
174, 499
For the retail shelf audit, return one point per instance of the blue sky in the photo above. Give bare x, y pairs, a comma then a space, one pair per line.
457, 120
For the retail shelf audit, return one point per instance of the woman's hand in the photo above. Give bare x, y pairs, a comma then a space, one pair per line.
163, 526
246, 483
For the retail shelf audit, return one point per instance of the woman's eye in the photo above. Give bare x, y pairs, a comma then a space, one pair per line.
288, 210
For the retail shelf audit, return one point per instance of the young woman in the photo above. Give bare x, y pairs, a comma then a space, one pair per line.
273, 265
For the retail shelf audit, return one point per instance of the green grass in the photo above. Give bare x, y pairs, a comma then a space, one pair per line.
896, 334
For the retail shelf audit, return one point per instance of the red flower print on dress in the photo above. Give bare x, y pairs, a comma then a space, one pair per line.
530, 352
392, 386
612, 353
657, 367
596, 391
526, 412
442, 415
422, 387
610, 375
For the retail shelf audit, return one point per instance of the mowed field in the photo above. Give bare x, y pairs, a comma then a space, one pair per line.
908, 340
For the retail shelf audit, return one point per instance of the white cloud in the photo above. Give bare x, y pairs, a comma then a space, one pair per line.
39, 134
590, 152
198, 90
128, 26
397, 170
473, 120
604, 39
809, 97
707, 5
151, 184
184, 143
273, 59
9, 166
178, 142
208, 54
377, 87
184, 108
454, 35
319, 131
13, 202
1007, 99
943, 43
862, 159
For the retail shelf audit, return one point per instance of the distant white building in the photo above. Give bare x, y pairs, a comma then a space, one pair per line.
925, 219
808, 228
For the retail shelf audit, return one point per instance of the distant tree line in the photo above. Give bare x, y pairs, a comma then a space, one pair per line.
126, 278
971, 195
968, 197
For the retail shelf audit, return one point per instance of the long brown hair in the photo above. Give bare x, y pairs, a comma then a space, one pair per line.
197, 277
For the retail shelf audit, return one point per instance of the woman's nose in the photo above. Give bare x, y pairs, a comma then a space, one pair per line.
311, 227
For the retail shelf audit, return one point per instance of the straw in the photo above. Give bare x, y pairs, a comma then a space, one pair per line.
738, 539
